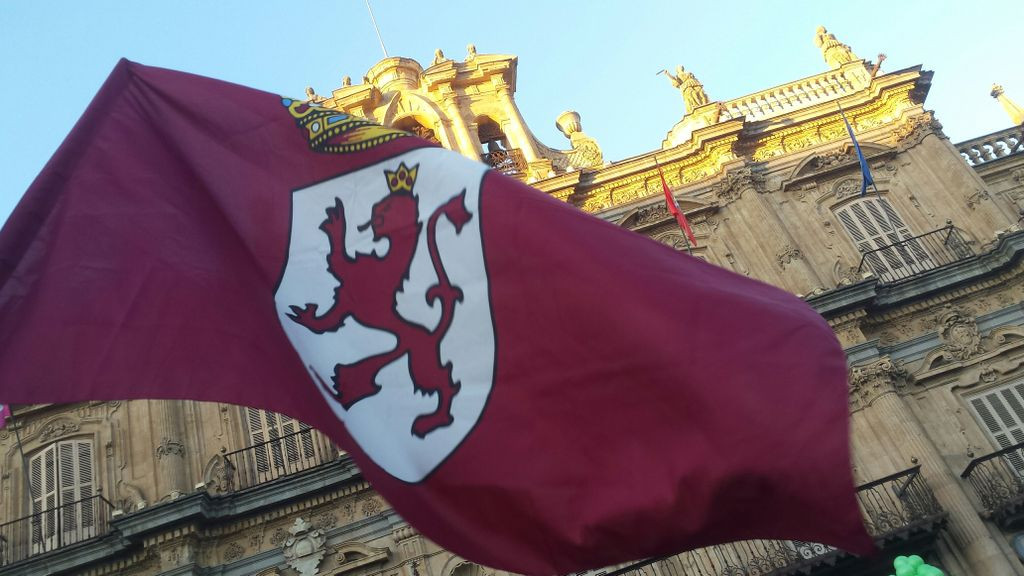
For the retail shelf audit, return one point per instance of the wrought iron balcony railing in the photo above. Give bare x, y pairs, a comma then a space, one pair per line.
998, 480
509, 162
893, 508
985, 149
278, 457
912, 256
54, 528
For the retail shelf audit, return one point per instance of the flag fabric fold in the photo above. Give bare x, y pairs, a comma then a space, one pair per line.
673, 208
865, 172
502, 366
5, 414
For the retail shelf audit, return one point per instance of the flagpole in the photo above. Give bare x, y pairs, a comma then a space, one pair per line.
375, 29
865, 171
21, 450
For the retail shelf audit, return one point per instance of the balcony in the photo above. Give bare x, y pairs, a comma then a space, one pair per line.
509, 162
986, 149
54, 528
912, 256
998, 480
277, 457
899, 511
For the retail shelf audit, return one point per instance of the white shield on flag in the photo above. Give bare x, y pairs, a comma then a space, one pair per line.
385, 297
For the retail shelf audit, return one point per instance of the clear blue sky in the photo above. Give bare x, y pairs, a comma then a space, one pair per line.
599, 58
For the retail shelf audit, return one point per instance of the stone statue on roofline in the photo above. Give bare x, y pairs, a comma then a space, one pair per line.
692, 90
835, 52
438, 57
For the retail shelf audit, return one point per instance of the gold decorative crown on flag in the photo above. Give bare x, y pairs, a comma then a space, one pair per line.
402, 180
336, 132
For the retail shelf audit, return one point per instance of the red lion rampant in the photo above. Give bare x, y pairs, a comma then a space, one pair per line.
367, 291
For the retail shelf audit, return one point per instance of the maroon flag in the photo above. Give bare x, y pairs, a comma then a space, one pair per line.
501, 365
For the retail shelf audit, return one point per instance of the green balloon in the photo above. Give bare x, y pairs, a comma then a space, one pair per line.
914, 565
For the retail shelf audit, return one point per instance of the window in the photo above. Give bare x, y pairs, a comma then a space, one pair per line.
1001, 413
280, 443
879, 233
62, 490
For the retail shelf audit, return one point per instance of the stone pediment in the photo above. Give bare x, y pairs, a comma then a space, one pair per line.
655, 213
842, 157
352, 555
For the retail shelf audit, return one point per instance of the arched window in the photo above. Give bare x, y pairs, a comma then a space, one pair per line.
497, 153
491, 136
880, 234
412, 125
62, 486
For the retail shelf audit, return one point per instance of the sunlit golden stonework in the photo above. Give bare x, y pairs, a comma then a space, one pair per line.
922, 280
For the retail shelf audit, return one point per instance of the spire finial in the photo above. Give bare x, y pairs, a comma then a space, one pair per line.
1016, 112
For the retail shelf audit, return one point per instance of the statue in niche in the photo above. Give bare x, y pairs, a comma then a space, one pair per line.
835, 52
692, 90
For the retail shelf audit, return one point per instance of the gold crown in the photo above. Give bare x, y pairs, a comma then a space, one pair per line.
336, 132
401, 180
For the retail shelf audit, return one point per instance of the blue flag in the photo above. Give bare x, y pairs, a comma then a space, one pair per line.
864, 170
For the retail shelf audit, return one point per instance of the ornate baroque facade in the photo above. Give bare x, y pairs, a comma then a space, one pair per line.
922, 280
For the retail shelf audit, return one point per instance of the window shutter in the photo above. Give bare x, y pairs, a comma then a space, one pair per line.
266, 427
1001, 412
872, 223
61, 486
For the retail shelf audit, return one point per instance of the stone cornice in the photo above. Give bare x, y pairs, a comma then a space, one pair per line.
182, 516
930, 288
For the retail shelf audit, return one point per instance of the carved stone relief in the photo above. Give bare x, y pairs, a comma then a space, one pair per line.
846, 187
870, 382
959, 334
651, 214
350, 556
788, 255
57, 428
304, 549
233, 551
914, 131
325, 521
676, 240
168, 447
131, 497
370, 507
735, 182
278, 537
219, 477
977, 198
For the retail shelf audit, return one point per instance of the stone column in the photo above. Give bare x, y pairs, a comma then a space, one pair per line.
467, 143
873, 389
517, 132
168, 426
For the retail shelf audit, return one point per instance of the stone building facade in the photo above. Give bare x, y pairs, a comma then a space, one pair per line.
922, 279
